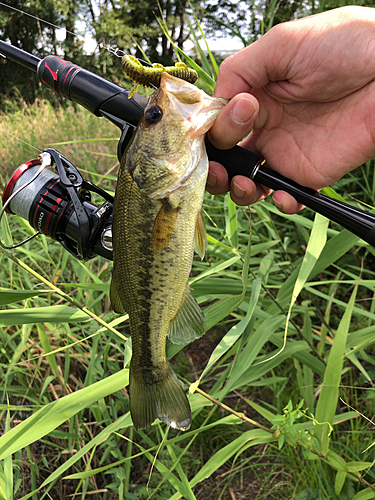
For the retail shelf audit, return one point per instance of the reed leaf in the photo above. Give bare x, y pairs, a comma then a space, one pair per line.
328, 397
54, 414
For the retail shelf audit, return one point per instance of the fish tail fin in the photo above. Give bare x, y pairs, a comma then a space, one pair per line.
158, 395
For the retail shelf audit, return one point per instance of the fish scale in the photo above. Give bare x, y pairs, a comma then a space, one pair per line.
159, 196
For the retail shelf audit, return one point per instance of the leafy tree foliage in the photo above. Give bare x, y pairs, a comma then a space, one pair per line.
130, 25
28, 34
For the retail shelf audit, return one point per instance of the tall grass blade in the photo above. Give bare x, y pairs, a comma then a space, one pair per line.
339, 481
54, 414
211, 56
221, 309
314, 248
165, 472
189, 495
257, 436
44, 340
335, 248
328, 398
231, 221
214, 269
246, 358
248, 374
234, 333
308, 377
61, 314
12, 296
204, 72
228, 421
356, 309
271, 12
2, 483
8, 466
123, 421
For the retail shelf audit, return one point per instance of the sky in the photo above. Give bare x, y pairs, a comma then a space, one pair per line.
221, 45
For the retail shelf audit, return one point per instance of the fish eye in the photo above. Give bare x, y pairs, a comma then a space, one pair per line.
153, 114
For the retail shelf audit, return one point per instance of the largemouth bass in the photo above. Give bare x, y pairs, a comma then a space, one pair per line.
156, 222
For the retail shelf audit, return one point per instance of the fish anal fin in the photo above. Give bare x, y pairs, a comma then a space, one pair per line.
164, 226
115, 297
189, 322
200, 237
164, 398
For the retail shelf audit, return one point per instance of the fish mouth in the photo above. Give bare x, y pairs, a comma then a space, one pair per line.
200, 111
192, 103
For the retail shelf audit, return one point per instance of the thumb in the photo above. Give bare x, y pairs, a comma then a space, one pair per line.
234, 121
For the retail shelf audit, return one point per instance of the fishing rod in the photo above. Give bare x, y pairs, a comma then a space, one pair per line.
90, 234
59, 204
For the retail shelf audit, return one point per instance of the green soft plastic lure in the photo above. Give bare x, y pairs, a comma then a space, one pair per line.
150, 76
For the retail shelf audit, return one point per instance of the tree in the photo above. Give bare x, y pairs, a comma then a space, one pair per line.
133, 27
29, 34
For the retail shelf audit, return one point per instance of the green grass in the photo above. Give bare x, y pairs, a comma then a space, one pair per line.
88, 141
280, 385
63, 354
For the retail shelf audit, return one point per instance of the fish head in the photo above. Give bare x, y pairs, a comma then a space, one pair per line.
168, 144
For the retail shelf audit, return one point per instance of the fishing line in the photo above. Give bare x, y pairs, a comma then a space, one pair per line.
47, 22
37, 18
107, 47
120, 53
115, 51
55, 26
20, 140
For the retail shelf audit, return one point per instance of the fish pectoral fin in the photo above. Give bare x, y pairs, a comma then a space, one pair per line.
164, 226
189, 322
115, 297
200, 237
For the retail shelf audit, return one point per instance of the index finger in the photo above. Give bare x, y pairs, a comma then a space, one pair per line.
230, 81
264, 61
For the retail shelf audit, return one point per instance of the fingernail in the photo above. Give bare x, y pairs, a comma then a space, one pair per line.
211, 179
279, 206
243, 111
238, 191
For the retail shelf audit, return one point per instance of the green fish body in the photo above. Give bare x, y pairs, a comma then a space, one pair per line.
156, 223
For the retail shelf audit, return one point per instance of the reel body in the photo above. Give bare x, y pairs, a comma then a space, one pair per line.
58, 205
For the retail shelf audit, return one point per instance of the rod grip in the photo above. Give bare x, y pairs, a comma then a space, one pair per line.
240, 161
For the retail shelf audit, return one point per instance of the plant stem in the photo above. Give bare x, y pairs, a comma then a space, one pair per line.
64, 295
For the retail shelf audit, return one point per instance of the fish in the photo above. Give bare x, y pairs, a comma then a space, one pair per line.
156, 224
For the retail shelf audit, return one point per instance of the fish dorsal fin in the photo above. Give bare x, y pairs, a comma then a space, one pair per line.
189, 322
164, 226
115, 297
200, 238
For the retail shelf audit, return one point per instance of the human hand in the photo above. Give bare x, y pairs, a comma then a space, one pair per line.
307, 91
